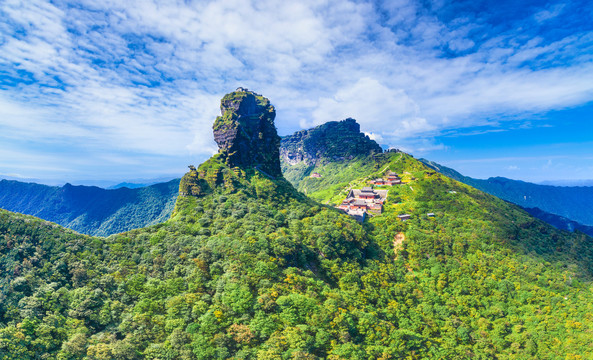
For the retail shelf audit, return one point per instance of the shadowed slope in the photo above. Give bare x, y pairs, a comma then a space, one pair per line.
89, 209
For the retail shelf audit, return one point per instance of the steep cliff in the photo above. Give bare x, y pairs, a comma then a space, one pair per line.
245, 132
334, 140
247, 143
334, 148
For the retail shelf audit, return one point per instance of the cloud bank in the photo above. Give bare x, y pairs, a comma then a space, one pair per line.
121, 89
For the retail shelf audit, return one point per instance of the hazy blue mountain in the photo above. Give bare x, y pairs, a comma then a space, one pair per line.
135, 183
559, 222
90, 209
584, 182
573, 203
128, 185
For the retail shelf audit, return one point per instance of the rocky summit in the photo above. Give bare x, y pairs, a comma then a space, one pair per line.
247, 143
245, 132
332, 141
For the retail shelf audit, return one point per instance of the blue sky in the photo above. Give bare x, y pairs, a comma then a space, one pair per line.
125, 90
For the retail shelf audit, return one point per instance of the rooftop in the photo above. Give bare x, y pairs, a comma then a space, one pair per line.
355, 193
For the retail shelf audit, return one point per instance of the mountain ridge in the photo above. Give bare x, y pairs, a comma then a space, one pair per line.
250, 268
90, 209
569, 202
559, 222
324, 156
333, 140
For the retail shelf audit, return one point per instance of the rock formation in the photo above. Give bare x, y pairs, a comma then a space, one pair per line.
245, 132
246, 138
334, 140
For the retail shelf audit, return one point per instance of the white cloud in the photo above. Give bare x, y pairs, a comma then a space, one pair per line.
378, 108
144, 78
374, 136
548, 14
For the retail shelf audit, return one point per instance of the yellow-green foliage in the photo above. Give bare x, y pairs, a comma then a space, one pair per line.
339, 177
336, 176
261, 271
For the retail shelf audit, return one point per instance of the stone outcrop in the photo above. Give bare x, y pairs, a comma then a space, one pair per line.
246, 138
246, 134
332, 141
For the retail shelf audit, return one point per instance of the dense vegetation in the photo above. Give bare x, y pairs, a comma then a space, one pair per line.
334, 141
247, 267
559, 222
573, 202
250, 268
89, 209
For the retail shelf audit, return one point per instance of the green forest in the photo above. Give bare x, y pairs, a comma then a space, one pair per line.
89, 209
250, 268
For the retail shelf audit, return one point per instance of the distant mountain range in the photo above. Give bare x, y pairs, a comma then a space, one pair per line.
133, 185
571, 203
90, 209
559, 222
247, 267
567, 182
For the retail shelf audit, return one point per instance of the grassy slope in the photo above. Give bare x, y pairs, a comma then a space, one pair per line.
262, 272
572, 202
339, 177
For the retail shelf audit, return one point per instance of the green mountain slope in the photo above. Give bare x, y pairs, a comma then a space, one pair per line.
559, 222
330, 143
573, 202
250, 268
89, 209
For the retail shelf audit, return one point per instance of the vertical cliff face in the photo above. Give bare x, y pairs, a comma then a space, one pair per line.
332, 141
246, 138
245, 132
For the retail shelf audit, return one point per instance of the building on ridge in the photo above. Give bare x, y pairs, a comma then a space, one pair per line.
365, 200
391, 179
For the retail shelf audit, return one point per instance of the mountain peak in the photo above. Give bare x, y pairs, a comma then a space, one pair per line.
247, 141
334, 140
246, 134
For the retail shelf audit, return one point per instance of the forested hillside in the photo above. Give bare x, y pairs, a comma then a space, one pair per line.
572, 202
559, 222
89, 209
332, 142
250, 268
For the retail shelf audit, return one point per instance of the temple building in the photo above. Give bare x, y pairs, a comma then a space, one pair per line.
359, 202
391, 179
